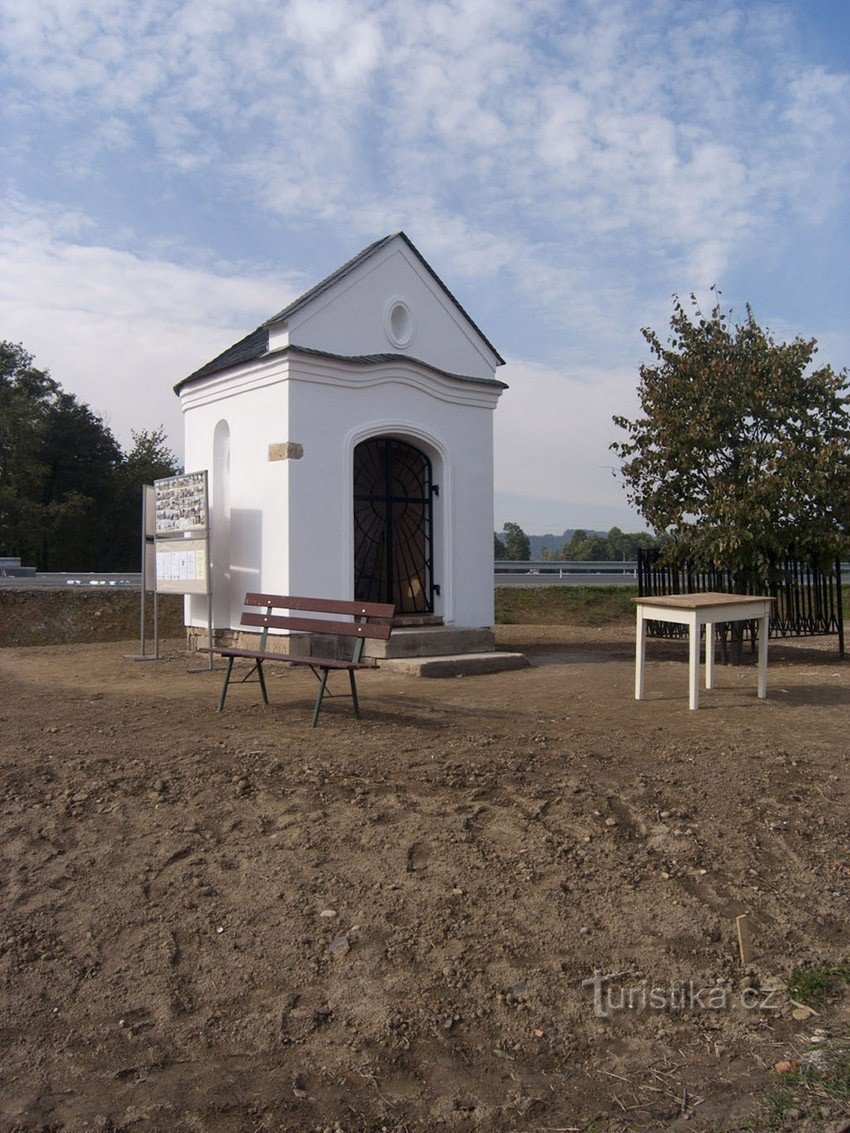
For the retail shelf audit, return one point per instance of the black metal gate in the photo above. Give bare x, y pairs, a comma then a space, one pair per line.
393, 515
808, 598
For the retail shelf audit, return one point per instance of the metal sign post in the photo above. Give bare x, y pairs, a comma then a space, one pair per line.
148, 580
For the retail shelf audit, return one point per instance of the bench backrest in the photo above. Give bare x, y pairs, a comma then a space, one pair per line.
371, 619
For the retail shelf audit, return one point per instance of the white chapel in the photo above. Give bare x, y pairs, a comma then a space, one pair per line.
349, 442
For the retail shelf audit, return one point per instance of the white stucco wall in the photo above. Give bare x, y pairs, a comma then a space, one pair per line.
253, 553
290, 522
330, 419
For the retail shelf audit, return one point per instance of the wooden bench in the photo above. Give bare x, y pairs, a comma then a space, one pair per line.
371, 620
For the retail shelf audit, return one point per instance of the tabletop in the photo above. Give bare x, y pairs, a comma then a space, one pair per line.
700, 601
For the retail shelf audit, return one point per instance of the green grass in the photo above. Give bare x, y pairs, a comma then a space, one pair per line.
565, 605
809, 1089
818, 1088
574, 605
829, 1081
815, 984
772, 1109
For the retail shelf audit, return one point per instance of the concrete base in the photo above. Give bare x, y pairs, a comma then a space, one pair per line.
416, 651
454, 665
297, 644
432, 641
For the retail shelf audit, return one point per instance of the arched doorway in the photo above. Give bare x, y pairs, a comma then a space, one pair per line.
393, 519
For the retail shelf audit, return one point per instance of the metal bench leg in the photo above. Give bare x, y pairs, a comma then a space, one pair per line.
354, 693
228, 671
322, 687
262, 681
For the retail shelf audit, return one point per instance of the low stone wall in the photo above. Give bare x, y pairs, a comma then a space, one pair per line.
72, 616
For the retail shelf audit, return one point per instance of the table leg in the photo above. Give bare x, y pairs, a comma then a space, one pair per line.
709, 655
764, 628
640, 654
693, 668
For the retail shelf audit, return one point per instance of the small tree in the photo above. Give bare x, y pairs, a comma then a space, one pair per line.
742, 452
517, 543
149, 458
615, 544
572, 545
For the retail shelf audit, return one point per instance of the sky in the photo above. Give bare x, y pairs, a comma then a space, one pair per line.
176, 171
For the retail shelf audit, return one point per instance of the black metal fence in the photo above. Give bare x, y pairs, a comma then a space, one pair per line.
808, 598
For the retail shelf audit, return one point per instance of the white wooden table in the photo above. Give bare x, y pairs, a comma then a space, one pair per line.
695, 611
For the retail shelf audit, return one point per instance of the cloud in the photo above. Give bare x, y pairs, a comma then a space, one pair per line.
626, 131
552, 432
114, 328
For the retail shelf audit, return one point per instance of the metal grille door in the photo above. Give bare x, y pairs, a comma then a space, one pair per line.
393, 508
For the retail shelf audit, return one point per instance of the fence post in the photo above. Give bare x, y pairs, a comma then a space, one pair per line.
840, 597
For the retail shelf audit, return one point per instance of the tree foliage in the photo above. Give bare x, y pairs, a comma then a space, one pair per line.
741, 454
516, 543
69, 497
617, 545
582, 546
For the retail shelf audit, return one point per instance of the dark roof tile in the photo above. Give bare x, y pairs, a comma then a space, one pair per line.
252, 346
329, 280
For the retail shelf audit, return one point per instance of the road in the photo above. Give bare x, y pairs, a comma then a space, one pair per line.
577, 579
82, 581
129, 581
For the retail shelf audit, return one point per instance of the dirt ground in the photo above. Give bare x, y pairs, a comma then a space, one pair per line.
235, 923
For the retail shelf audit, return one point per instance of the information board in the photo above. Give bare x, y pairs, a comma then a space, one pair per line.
181, 504
175, 546
181, 566
181, 516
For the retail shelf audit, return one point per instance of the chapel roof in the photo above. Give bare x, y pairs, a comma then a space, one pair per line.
256, 344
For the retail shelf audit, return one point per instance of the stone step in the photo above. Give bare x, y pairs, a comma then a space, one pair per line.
432, 641
417, 620
455, 665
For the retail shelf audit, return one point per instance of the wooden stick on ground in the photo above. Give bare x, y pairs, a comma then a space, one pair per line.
745, 938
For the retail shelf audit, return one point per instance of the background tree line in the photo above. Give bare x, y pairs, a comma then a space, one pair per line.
70, 497
513, 544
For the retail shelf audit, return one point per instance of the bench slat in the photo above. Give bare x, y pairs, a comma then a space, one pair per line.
379, 610
333, 663
288, 659
317, 625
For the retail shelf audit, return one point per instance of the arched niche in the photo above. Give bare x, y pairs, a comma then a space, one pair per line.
220, 527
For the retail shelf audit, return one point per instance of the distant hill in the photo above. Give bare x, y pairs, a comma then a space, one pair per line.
541, 543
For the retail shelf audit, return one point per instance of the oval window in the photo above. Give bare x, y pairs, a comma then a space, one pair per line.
399, 322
